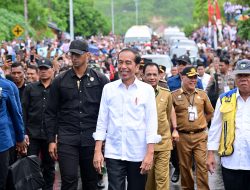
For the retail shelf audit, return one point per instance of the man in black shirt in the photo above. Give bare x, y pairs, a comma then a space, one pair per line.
34, 102
18, 77
72, 113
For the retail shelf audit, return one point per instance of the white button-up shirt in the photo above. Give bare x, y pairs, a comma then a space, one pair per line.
127, 120
205, 80
240, 159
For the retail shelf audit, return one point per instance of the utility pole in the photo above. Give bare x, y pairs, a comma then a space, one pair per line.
136, 11
71, 20
112, 15
25, 14
25, 11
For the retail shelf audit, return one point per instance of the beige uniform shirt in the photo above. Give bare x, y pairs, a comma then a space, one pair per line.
164, 107
181, 102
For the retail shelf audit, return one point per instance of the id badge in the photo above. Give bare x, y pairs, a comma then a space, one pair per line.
193, 111
191, 116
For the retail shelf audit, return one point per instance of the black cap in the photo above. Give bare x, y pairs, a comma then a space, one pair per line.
242, 67
162, 68
78, 47
189, 72
146, 60
45, 63
183, 60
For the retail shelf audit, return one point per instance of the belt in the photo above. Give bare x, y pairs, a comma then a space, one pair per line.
192, 132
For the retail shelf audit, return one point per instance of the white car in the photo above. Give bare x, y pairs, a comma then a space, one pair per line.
182, 50
160, 59
138, 33
184, 42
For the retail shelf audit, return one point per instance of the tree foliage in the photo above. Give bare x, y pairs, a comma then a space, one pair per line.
244, 28
88, 21
151, 12
8, 21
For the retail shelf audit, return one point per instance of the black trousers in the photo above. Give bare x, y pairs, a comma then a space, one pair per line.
174, 158
70, 157
40, 147
118, 170
13, 155
236, 179
4, 164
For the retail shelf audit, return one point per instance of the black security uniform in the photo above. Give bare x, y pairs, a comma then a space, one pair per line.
72, 113
34, 101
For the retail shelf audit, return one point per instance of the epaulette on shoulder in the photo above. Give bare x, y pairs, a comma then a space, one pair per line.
162, 88
200, 90
176, 91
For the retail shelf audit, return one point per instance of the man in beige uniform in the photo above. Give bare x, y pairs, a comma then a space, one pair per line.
158, 177
193, 110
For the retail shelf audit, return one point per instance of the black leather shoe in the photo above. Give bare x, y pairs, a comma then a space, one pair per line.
100, 184
175, 176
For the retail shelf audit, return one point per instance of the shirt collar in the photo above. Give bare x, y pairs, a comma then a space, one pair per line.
157, 89
184, 91
237, 93
73, 74
135, 83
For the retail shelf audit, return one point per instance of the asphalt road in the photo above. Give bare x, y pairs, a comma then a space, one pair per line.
215, 180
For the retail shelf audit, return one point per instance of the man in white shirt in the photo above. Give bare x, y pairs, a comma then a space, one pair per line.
127, 122
205, 78
230, 131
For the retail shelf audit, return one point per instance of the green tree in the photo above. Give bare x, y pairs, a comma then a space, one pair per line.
168, 12
88, 21
8, 22
244, 28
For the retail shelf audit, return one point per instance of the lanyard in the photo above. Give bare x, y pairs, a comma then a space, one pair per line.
188, 99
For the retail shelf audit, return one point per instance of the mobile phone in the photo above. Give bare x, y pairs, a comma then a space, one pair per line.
32, 57
9, 57
49, 46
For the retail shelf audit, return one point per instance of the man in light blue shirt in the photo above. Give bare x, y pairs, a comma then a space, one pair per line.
127, 121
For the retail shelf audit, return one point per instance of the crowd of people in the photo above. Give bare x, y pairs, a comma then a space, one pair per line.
89, 102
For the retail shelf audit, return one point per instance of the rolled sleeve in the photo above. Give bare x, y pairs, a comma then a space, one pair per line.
214, 133
102, 121
99, 136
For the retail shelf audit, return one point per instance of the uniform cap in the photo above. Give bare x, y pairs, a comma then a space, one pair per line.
189, 72
162, 68
242, 67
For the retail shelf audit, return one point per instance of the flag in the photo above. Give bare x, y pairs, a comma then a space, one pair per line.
210, 19
218, 21
210, 12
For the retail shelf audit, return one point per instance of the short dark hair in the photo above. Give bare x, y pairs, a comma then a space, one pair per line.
200, 65
135, 52
33, 67
224, 59
150, 64
16, 64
